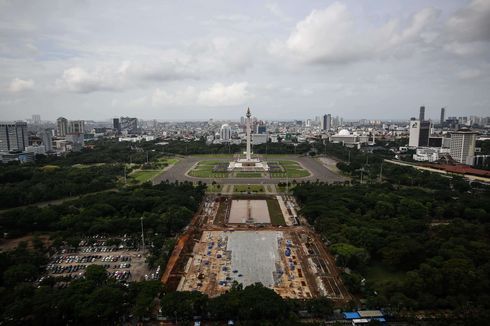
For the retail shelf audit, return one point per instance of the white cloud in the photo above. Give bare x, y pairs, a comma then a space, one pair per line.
333, 35
223, 95
79, 80
216, 95
19, 85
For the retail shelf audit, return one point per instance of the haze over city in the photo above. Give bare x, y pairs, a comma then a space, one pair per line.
199, 60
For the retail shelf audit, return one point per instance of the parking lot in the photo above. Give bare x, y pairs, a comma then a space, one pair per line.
123, 263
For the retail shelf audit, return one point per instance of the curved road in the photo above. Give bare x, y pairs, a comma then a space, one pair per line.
317, 170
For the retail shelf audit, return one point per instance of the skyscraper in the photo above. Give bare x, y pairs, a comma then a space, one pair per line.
62, 125
327, 122
225, 133
116, 125
47, 138
13, 137
36, 119
422, 114
76, 127
419, 133
462, 147
443, 113
129, 125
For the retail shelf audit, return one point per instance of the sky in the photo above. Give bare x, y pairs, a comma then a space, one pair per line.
178, 60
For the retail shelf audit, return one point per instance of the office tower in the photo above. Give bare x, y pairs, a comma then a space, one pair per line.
462, 147
225, 133
419, 133
443, 113
116, 125
129, 125
422, 113
47, 139
62, 125
76, 127
261, 129
13, 137
36, 119
327, 122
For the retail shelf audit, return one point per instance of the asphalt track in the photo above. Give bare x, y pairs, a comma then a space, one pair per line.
317, 170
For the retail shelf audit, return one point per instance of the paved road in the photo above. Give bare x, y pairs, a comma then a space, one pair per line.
317, 170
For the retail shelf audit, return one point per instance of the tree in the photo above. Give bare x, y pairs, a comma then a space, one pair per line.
96, 274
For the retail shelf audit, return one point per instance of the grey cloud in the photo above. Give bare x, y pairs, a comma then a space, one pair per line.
472, 23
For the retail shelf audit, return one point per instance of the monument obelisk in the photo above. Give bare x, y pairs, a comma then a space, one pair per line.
249, 151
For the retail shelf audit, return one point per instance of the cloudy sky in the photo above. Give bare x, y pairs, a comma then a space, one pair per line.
378, 59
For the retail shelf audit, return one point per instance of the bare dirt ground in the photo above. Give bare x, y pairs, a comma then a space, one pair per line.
198, 263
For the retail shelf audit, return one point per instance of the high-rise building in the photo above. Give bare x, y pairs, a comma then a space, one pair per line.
443, 113
116, 125
129, 125
62, 125
327, 122
36, 119
462, 147
47, 139
419, 133
76, 127
261, 129
225, 133
13, 137
422, 114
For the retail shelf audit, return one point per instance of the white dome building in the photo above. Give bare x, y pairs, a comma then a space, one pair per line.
347, 139
344, 132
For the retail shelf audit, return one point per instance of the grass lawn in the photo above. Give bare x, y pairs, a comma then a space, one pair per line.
215, 188
144, 175
84, 166
247, 188
204, 169
207, 174
214, 155
169, 161
275, 212
292, 169
248, 174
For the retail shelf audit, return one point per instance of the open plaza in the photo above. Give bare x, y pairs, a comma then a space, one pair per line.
254, 238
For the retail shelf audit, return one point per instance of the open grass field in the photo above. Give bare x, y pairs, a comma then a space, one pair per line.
248, 174
275, 212
204, 169
213, 155
249, 188
84, 166
142, 176
292, 169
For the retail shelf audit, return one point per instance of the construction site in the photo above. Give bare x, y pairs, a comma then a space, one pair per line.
247, 239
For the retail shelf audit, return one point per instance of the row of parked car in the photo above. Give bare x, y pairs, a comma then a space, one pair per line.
58, 269
120, 275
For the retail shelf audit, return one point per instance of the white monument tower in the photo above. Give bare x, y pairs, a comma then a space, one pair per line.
249, 151
248, 163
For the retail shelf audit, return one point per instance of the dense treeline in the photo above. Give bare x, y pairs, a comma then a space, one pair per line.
166, 208
252, 305
27, 184
432, 244
107, 151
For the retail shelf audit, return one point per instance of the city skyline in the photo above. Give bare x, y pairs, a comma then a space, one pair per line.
377, 60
